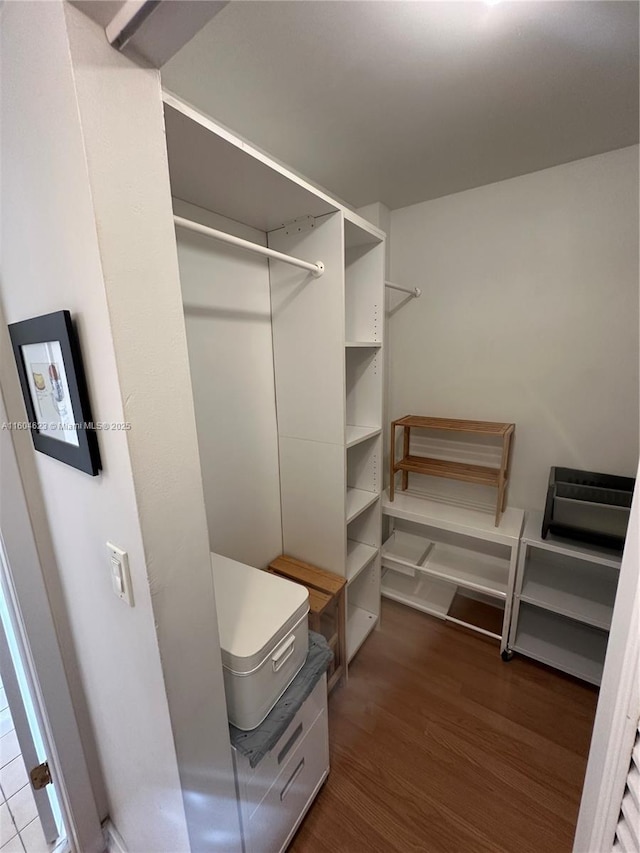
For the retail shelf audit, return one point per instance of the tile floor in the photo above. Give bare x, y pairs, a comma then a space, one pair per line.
20, 830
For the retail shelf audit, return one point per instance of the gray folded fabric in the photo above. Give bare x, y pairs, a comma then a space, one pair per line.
261, 740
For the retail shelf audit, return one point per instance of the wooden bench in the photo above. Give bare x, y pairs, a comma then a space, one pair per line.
326, 600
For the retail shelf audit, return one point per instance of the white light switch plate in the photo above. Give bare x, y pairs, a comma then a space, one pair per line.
120, 577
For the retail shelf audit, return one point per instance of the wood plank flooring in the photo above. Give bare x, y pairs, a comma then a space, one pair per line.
439, 746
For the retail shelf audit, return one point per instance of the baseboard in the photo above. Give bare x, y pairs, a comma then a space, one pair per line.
112, 838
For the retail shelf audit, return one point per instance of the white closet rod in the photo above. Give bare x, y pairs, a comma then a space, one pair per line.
412, 291
315, 269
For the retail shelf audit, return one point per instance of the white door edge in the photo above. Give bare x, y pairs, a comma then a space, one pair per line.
617, 711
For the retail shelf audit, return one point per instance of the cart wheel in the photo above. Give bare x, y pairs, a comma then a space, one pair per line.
506, 655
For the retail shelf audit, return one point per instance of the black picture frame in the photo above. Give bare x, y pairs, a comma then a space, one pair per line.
55, 390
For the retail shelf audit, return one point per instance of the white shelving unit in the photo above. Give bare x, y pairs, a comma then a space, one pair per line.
436, 550
327, 347
363, 329
563, 602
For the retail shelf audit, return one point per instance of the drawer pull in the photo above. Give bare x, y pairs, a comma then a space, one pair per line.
293, 778
286, 749
284, 653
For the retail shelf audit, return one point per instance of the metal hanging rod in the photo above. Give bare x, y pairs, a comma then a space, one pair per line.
412, 291
315, 269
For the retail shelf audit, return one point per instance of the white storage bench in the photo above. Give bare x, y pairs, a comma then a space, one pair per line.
276, 794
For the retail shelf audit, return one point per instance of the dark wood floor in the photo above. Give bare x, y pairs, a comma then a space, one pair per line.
439, 746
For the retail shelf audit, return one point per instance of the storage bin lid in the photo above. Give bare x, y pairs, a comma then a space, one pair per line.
255, 609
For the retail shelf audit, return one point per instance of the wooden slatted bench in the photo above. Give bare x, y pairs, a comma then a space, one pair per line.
480, 474
326, 597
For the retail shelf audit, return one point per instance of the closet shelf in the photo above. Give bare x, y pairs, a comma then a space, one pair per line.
430, 596
562, 643
588, 553
573, 591
357, 501
456, 518
231, 177
453, 564
359, 556
364, 344
360, 623
405, 552
422, 592
356, 434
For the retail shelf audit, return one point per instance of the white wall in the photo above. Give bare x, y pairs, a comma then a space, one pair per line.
86, 225
21, 566
380, 216
227, 308
51, 261
529, 314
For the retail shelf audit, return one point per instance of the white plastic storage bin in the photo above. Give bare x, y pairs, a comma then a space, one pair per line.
264, 637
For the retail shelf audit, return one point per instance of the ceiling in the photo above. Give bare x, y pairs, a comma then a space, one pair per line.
100, 11
405, 101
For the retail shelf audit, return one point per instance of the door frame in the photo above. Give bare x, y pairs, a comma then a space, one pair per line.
43, 657
24, 712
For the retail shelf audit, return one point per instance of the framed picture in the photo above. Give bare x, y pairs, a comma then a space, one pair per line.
50, 368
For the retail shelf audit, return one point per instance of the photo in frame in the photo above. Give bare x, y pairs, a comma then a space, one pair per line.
51, 374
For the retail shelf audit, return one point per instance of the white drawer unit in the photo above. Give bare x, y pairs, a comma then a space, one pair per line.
563, 603
275, 796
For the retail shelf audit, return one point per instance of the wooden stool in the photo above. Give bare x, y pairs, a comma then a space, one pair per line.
326, 595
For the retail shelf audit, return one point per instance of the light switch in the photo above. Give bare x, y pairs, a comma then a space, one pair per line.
116, 576
120, 577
